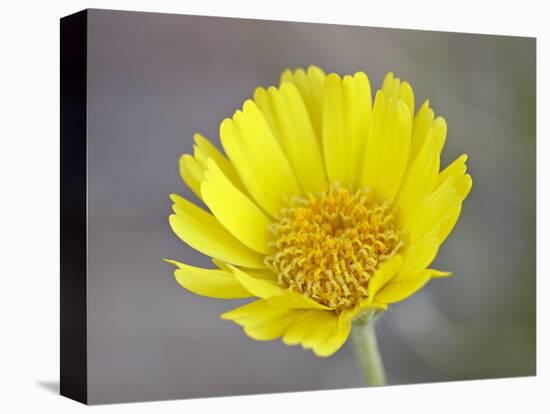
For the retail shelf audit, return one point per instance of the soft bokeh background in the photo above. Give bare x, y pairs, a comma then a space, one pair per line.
155, 79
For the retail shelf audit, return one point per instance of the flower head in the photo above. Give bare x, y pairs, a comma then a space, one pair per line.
326, 205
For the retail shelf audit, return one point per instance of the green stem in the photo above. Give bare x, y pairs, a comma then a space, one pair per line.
366, 348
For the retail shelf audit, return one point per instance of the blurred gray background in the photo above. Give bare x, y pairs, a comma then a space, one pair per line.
155, 79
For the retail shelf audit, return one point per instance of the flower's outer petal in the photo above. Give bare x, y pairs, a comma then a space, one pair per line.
345, 319
212, 283
334, 131
367, 304
358, 108
334, 341
396, 89
264, 274
435, 209
269, 289
204, 150
204, 233
310, 85
347, 106
234, 210
387, 147
261, 321
421, 125
418, 255
419, 181
462, 184
442, 208
275, 328
397, 290
323, 326
358, 99
439, 127
295, 300
383, 275
262, 316
438, 273
323, 332
245, 310
454, 175
258, 158
191, 173
303, 325
424, 122
288, 117
447, 224
262, 288
192, 167
455, 169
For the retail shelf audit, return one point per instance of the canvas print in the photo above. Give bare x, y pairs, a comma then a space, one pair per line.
254, 206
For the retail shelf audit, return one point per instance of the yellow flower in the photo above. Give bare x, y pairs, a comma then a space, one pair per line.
327, 205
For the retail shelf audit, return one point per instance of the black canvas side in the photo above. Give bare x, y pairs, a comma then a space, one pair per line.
73, 62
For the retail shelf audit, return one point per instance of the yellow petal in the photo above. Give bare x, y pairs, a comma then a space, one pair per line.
396, 89
438, 273
321, 331
192, 168
258, 158
234, 210
346, 110
262, 288
289, 299
358, 108
419, 181
264, 273
383, 275
204, 233
334, 133
454, 177
455, 169
387, 147
423, 122
464, 185
322, 327
212, 283
336, 339
310, 85
261, 321
418, 255
288, 117
303, 325
242, 312
260, 317
406, 94
270, 290
390, 86
449, 221
429, 214
398, 290
276, 327
191, 173
439, 127
204, 150
347, 107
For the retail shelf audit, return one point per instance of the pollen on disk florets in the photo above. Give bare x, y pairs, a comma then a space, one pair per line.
328, 246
